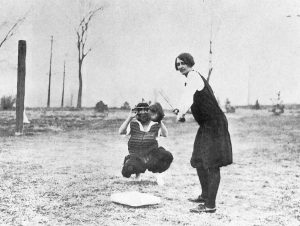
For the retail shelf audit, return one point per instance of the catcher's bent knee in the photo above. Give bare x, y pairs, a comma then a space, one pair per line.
132, 165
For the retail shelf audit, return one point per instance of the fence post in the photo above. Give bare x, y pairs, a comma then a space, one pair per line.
20, 86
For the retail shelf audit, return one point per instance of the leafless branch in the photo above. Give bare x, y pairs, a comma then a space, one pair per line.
12, 30
89, 50
82, 30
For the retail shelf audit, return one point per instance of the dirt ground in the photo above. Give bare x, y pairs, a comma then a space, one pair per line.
64, 168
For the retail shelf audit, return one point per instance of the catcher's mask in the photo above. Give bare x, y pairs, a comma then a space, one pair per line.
142, 110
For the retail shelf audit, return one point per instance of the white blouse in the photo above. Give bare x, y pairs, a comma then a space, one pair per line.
193, 83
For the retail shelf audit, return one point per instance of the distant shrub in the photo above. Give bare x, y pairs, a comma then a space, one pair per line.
125, 106
7, 102
257, 105
101, 107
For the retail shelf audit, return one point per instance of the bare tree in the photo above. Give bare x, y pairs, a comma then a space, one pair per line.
12, 30
82, 37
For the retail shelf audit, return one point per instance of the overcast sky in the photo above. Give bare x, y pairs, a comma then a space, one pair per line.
256, 49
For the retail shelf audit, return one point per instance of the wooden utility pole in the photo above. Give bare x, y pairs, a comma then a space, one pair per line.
20, 86
63, 89
49, 85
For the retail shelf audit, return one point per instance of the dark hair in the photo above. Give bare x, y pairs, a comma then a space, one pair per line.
186, 58
157, 108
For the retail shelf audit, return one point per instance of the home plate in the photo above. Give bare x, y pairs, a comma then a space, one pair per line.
134, 199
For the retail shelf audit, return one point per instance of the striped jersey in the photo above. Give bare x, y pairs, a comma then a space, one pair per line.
142, 142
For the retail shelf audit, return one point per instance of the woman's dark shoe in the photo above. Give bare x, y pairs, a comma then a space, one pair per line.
199, 199
203, 209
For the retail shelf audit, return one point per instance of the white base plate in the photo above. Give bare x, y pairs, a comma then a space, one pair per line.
135, 199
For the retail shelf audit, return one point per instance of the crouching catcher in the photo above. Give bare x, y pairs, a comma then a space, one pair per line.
144, 125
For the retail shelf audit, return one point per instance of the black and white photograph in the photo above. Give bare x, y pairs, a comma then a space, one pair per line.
150, 112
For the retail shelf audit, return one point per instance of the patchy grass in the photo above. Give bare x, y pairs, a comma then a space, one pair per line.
66, 170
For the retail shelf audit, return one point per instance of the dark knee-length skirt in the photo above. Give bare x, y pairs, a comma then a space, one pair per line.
212, 146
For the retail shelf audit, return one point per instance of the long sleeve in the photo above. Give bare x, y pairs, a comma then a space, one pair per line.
193, 83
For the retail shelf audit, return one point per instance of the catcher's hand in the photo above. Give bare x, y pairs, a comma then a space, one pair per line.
132, 113
156, 112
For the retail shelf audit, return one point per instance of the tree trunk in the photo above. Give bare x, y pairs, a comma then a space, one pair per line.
80, 84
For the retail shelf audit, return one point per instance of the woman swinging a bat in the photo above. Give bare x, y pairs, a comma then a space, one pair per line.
212, 145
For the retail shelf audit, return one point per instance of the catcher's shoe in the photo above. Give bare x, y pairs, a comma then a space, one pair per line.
160, 180
202, 209
199, 199
128, 170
